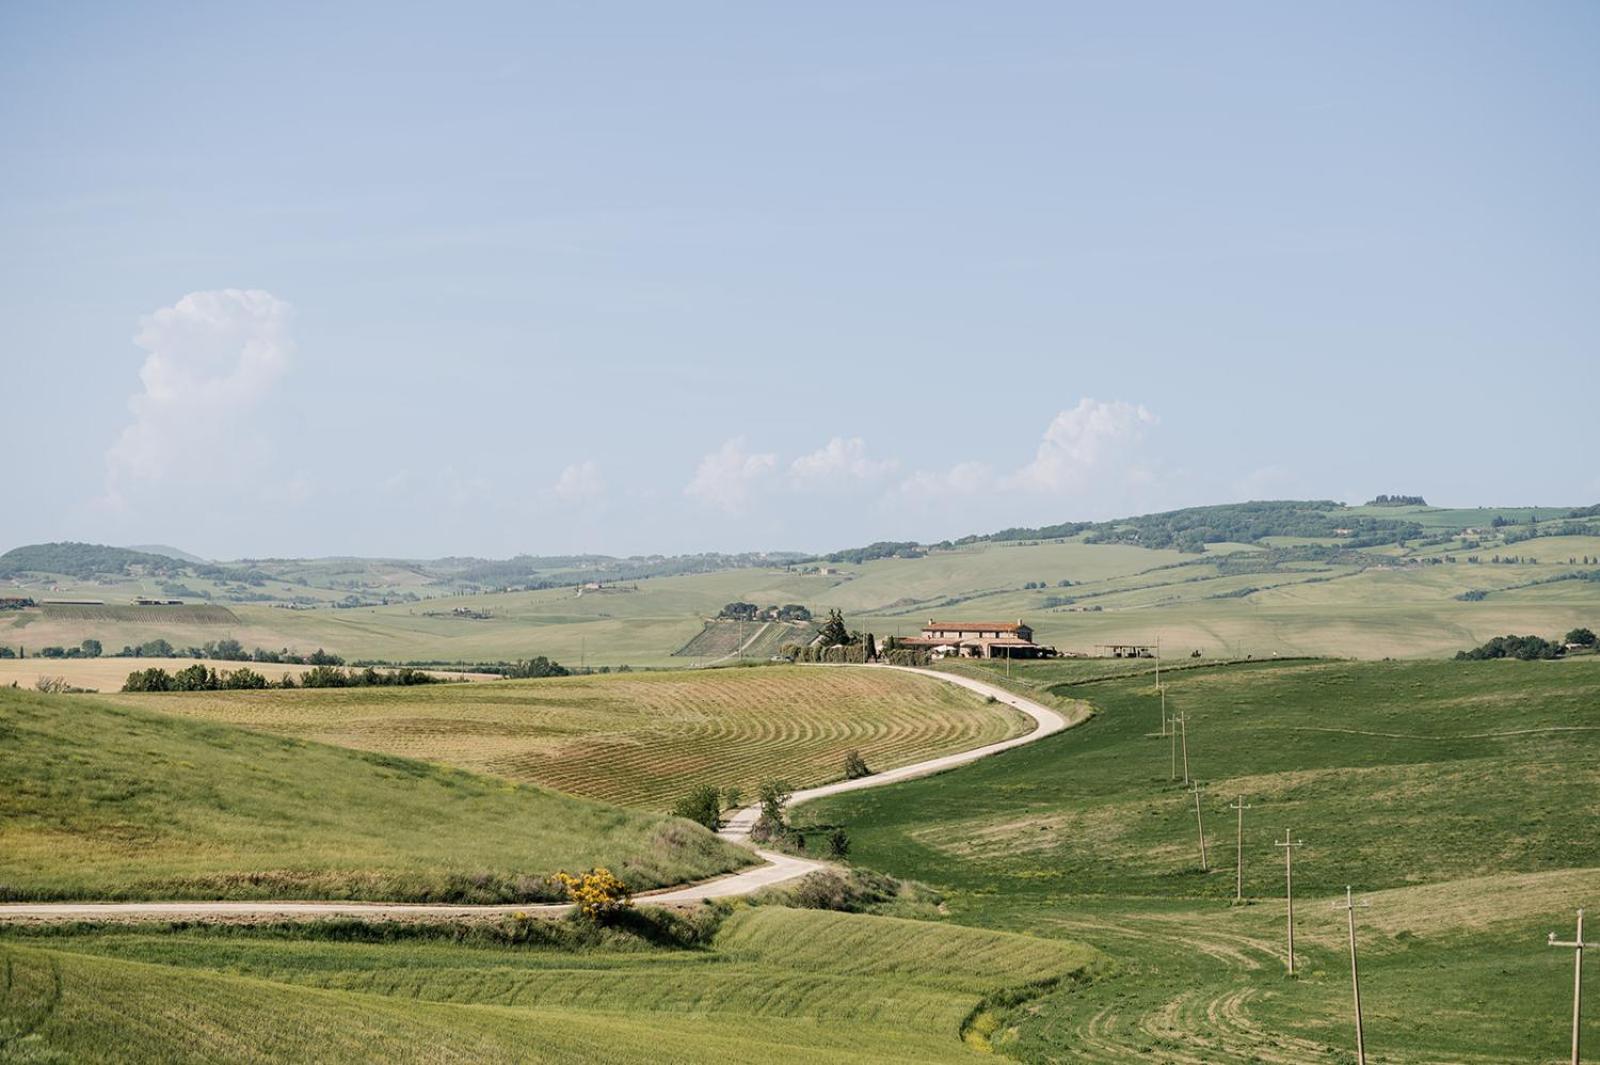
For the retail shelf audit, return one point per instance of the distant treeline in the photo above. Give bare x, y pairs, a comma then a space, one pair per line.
1189, 529
201, 678
1398, 501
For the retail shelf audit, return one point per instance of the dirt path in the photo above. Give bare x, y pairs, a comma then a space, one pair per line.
778, 868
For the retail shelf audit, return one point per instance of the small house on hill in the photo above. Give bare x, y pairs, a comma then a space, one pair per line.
978, 639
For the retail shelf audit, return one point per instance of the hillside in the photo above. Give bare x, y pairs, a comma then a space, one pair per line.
1461, 795
640, 739
103, 802
1297, 578
771, 985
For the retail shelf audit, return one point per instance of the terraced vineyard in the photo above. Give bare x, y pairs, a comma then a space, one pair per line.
635, 739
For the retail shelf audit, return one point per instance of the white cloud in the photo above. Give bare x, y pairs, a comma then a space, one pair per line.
839, 462
212, 357
1081, 442
726, 477
962, 479
580, 482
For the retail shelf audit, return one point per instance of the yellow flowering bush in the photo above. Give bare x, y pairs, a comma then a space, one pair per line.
597, 894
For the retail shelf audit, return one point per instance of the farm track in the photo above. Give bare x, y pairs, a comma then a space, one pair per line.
779, 868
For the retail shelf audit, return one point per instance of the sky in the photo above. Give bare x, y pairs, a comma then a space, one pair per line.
379, 279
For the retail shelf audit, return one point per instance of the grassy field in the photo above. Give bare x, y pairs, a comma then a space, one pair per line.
1234, 599
639, 739
771, 985
1460, 796
103, 802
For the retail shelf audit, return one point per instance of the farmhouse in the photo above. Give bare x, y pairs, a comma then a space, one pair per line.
978, 639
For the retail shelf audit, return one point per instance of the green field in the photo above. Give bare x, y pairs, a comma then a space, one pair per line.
1462, 797
640, 739
102, 802
771, 984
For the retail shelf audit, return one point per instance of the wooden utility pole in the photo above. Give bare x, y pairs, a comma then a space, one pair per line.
1238, 875
1576, 946
1173, 741
1288, 845
1161, 689
1355, 981
1200, 826
1183, 725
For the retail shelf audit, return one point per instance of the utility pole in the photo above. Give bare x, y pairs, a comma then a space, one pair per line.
1160, 689
1576, 946
1200, 826
1238, 876
1288, 845
1173, 741
1183, 724
1355, 981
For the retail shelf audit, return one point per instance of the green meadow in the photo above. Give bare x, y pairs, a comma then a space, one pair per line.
1459, 798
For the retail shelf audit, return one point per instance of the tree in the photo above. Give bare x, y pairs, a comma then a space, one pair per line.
703, 805
156, 648
774, 798
148, 680
834, 633
838, 844
855, 766
871, 649
1582, 637
739, 611
319, 657
91, 648
243, 679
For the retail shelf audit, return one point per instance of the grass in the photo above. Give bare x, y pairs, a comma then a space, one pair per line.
103, 802
773, 984
1460, 796
639, 739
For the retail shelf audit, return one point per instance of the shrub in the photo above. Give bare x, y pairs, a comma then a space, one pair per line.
597, 894
1582, 637
838, 844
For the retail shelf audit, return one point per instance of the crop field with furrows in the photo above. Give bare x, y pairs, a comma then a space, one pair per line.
103, 803
1457, 798
860, 988
638, 739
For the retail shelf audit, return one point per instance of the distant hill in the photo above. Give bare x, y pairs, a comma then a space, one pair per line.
164, 549
84, 561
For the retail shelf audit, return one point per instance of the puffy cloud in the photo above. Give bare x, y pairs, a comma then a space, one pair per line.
1081, 442
211, 358
839, 462
580, 482
962, 479
726, 477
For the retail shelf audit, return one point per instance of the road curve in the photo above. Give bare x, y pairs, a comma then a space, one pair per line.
779, 868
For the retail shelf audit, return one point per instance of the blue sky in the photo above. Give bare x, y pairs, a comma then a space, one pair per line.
379, 279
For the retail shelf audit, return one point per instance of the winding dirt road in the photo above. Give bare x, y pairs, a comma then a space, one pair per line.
778, 869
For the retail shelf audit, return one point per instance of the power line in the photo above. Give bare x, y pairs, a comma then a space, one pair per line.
1238, 876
